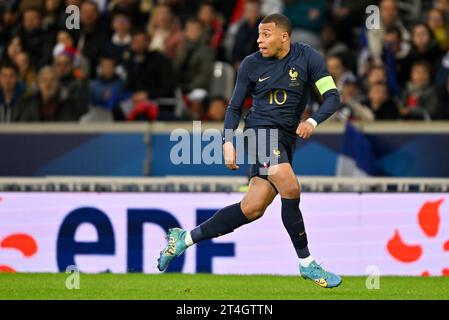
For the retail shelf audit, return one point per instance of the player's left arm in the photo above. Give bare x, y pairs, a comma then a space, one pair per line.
320, 76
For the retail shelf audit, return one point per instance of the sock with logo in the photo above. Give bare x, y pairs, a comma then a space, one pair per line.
222, 222
293, 222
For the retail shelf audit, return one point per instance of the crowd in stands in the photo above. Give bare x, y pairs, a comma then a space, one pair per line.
134, 60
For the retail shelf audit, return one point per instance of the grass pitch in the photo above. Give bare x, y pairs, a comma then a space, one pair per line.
206, 286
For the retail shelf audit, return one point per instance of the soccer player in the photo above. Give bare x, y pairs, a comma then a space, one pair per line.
280, 77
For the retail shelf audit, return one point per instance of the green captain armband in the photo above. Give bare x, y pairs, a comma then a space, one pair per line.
325, 84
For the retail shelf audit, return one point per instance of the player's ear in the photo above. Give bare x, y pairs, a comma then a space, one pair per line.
284, 36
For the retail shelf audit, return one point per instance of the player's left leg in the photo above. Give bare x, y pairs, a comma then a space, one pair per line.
284, 179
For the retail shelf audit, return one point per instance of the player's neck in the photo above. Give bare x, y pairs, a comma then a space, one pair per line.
283, 52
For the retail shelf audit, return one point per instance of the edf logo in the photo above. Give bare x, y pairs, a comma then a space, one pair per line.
68, 247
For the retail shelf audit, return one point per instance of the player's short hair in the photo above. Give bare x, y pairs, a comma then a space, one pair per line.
280, 21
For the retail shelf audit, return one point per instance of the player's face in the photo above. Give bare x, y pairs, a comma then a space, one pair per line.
270, 39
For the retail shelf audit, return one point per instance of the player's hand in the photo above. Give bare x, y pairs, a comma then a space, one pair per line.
229, 156
305, 130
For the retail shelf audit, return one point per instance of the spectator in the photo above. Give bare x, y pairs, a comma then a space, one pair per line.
420, 99
396, 56
71, 88
380, 103
10, 91
216, 110
443, 6
105, 92
424, 46
8, 20
338, 71
149, 73
65, 38
65, 42
351, 108
307, 17
47, 104
94, 34
437, 22
121, 39
129, 8
330, 44
53, 10
247, 33
348, 15
197, 104
27, 72
34, 39
165, 32
213, 24
12, 50
195, 61
30, 29
389, 18
376, 74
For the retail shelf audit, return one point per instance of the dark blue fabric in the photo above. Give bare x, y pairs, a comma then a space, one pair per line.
222, 222
280, 89
293, 222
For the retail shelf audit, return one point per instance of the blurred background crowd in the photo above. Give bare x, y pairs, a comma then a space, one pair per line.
134, 60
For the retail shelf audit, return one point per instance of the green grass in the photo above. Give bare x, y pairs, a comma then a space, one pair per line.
205, 286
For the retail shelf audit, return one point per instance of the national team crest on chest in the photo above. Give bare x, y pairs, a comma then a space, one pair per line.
293, 73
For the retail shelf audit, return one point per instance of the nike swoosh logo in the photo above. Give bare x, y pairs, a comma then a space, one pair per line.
263, 79
321, 282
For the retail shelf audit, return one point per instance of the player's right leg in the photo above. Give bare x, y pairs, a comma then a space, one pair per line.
259, 195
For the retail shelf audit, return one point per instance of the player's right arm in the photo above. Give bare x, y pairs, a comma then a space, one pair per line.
234, 113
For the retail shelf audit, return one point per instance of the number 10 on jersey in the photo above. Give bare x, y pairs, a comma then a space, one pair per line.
278, 96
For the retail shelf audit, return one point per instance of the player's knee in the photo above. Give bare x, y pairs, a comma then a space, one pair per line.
254, 210
291, 191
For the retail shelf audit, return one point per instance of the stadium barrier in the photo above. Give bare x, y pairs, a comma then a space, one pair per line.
394, 149
350, 233
215, 184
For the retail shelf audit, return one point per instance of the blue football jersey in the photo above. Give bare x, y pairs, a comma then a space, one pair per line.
280, 89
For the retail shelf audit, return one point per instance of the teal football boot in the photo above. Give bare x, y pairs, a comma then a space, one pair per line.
320, 276
175, 247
